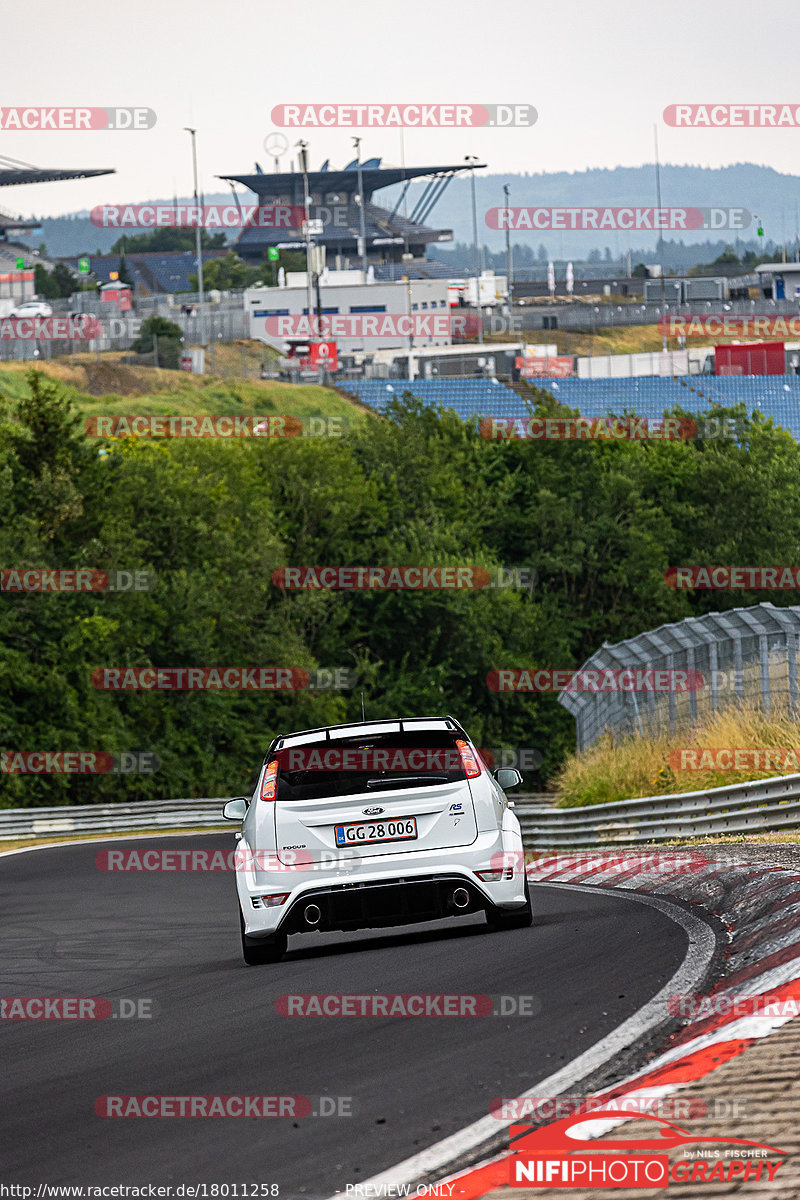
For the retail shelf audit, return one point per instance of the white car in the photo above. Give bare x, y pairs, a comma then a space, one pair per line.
375, 824
32, 308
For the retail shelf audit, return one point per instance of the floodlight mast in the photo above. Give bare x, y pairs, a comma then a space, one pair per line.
198, 241
363, 220
472, 159
307, 232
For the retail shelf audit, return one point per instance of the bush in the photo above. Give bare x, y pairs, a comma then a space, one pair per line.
169, 337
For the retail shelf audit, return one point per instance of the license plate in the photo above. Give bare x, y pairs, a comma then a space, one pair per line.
364, 833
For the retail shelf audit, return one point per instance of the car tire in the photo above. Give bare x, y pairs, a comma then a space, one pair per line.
258, 951
517, 918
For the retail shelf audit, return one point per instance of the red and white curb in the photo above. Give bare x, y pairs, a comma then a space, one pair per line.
761, 908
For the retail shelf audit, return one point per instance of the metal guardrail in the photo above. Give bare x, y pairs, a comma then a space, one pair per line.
19, 823
33, 823
761, 806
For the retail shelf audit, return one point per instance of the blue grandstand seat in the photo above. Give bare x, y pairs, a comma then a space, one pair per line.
775, 396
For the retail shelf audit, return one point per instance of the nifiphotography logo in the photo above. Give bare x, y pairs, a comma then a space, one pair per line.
557, 1155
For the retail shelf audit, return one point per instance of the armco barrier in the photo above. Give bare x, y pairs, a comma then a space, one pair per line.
111, 818
120, 818
757, 807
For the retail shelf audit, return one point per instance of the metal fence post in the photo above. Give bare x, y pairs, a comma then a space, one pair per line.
763, 654
713, 663
792, 659
738, 674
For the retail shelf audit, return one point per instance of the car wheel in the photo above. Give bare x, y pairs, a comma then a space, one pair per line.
518, 918
257, 951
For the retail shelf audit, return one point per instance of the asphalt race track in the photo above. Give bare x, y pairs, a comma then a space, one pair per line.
69, 929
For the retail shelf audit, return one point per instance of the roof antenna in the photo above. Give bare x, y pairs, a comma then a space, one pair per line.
363, 714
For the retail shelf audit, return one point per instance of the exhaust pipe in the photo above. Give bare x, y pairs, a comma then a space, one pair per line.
312, 914
460, 898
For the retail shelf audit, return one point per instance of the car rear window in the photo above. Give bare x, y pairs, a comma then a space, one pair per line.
348, 766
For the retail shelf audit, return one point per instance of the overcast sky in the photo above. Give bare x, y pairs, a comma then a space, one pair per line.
599, 73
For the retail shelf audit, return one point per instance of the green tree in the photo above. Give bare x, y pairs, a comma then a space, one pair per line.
64, 279
169, 337
44, 283
124, 271
167, 239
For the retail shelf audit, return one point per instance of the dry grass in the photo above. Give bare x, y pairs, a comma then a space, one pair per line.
630, 339
634, 766
108, 385
626, 339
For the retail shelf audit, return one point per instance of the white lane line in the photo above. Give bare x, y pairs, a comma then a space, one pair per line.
118, 837
699, 954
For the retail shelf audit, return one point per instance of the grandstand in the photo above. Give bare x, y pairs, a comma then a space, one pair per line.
776, 396
388, 234
19, 225
13, 173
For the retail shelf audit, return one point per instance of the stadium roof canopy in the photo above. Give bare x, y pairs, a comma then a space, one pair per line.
47, 175
373, 178
13, 172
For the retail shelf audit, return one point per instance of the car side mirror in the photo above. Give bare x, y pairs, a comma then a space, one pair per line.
236, 809
507, 777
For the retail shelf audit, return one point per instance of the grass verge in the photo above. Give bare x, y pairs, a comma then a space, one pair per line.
631, 767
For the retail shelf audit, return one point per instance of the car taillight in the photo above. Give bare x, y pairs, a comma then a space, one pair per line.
275, 899
468, 760
269, 783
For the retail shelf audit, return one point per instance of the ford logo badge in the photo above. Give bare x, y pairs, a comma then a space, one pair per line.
373, 812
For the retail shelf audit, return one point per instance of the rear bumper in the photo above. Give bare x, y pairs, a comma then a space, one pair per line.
383, 891
390, 902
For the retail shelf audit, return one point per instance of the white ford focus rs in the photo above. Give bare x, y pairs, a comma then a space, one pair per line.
375, 824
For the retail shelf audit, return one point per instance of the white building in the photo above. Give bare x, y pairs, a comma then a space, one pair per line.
347, 294
782, 279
